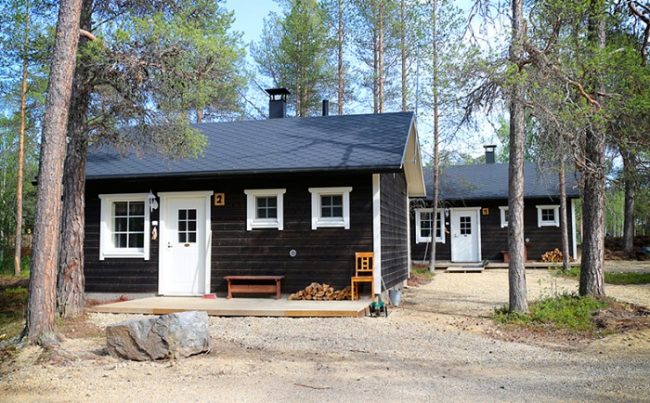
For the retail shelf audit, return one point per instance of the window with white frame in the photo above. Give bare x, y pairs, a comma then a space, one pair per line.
264, 208
548, 216
424, 225
503, 210
330, 207
124, 226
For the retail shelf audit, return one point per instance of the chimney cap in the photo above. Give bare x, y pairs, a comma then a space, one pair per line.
283, 92
490, 147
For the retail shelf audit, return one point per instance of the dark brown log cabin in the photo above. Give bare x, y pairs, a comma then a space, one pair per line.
474, 200
294, 197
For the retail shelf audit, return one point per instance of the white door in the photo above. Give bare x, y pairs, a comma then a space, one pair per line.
184, 245
465, 235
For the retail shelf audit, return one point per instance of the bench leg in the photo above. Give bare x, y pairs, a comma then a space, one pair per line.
229, 296
277, 289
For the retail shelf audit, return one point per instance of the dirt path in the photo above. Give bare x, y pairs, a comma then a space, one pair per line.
418, 353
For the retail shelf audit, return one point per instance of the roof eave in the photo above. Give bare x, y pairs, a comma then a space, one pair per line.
156, 175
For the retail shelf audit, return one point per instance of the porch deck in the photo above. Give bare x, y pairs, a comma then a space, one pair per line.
238, 307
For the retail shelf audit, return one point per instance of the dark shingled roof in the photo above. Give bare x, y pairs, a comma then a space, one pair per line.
490, 181
348, 142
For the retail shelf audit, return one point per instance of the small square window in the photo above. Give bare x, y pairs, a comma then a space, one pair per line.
124, 226
424, 224
548, 216
264, 208
330, 207
267, 207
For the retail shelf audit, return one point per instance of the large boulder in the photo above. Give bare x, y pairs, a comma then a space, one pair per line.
168, 336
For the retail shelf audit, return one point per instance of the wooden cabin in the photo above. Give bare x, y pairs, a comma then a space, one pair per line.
473, 220
295, 197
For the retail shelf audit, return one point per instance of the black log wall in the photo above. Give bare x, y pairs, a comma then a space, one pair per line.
494, 239
323, 255
394, 232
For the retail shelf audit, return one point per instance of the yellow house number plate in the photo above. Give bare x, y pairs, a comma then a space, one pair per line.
219, 199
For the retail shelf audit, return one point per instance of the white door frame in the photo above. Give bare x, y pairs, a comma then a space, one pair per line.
162, 251
477, 212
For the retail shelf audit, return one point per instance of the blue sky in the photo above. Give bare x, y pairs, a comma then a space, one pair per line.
249, 16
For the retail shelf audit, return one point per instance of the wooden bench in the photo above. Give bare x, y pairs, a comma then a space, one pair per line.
251, 285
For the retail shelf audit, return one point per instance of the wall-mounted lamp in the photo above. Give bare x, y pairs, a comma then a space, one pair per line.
153, 203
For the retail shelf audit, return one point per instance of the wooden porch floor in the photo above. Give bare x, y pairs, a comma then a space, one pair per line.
238, 307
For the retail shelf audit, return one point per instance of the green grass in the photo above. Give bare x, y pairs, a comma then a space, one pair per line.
610, 277
7, 266
13, 301
569, 312
574, 271
627, 278
422, 271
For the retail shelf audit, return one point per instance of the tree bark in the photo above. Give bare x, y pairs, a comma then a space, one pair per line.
593, 221
21, 148
629, 167
516, 246
593, 211
436, 140
42, 284
375, 59
381, 56
564, 227
402, 40
339, 35
71, 280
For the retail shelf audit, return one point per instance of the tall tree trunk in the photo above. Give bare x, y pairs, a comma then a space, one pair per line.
21, 147
593, 211
375, 59
42, 284
629, 168
381, 56
402, 41
436, 139
516, 246
339, 36
71, 280
564, 227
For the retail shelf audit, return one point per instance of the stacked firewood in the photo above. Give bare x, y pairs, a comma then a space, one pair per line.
321, 292
554, 256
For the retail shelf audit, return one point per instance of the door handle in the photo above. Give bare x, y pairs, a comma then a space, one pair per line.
169, 244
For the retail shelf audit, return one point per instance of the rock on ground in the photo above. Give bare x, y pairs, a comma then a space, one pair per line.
168, 336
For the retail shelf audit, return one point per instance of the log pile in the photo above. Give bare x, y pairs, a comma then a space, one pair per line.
554, 256
321, 292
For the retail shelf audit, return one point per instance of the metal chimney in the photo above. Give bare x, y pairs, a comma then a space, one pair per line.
326, 107
277, 102
489, 153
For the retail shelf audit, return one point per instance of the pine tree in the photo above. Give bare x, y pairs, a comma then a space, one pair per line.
294, 52
42, 285
154, 66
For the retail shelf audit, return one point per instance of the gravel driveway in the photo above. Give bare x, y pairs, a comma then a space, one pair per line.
416, 354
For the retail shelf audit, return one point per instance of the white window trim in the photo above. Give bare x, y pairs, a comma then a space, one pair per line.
256, 223
106, 247
547, 223
317, 221
503, 211
418, 226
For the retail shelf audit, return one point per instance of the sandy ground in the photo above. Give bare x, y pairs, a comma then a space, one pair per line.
428, 349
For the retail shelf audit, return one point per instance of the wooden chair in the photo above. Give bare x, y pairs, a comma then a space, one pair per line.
364, 265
